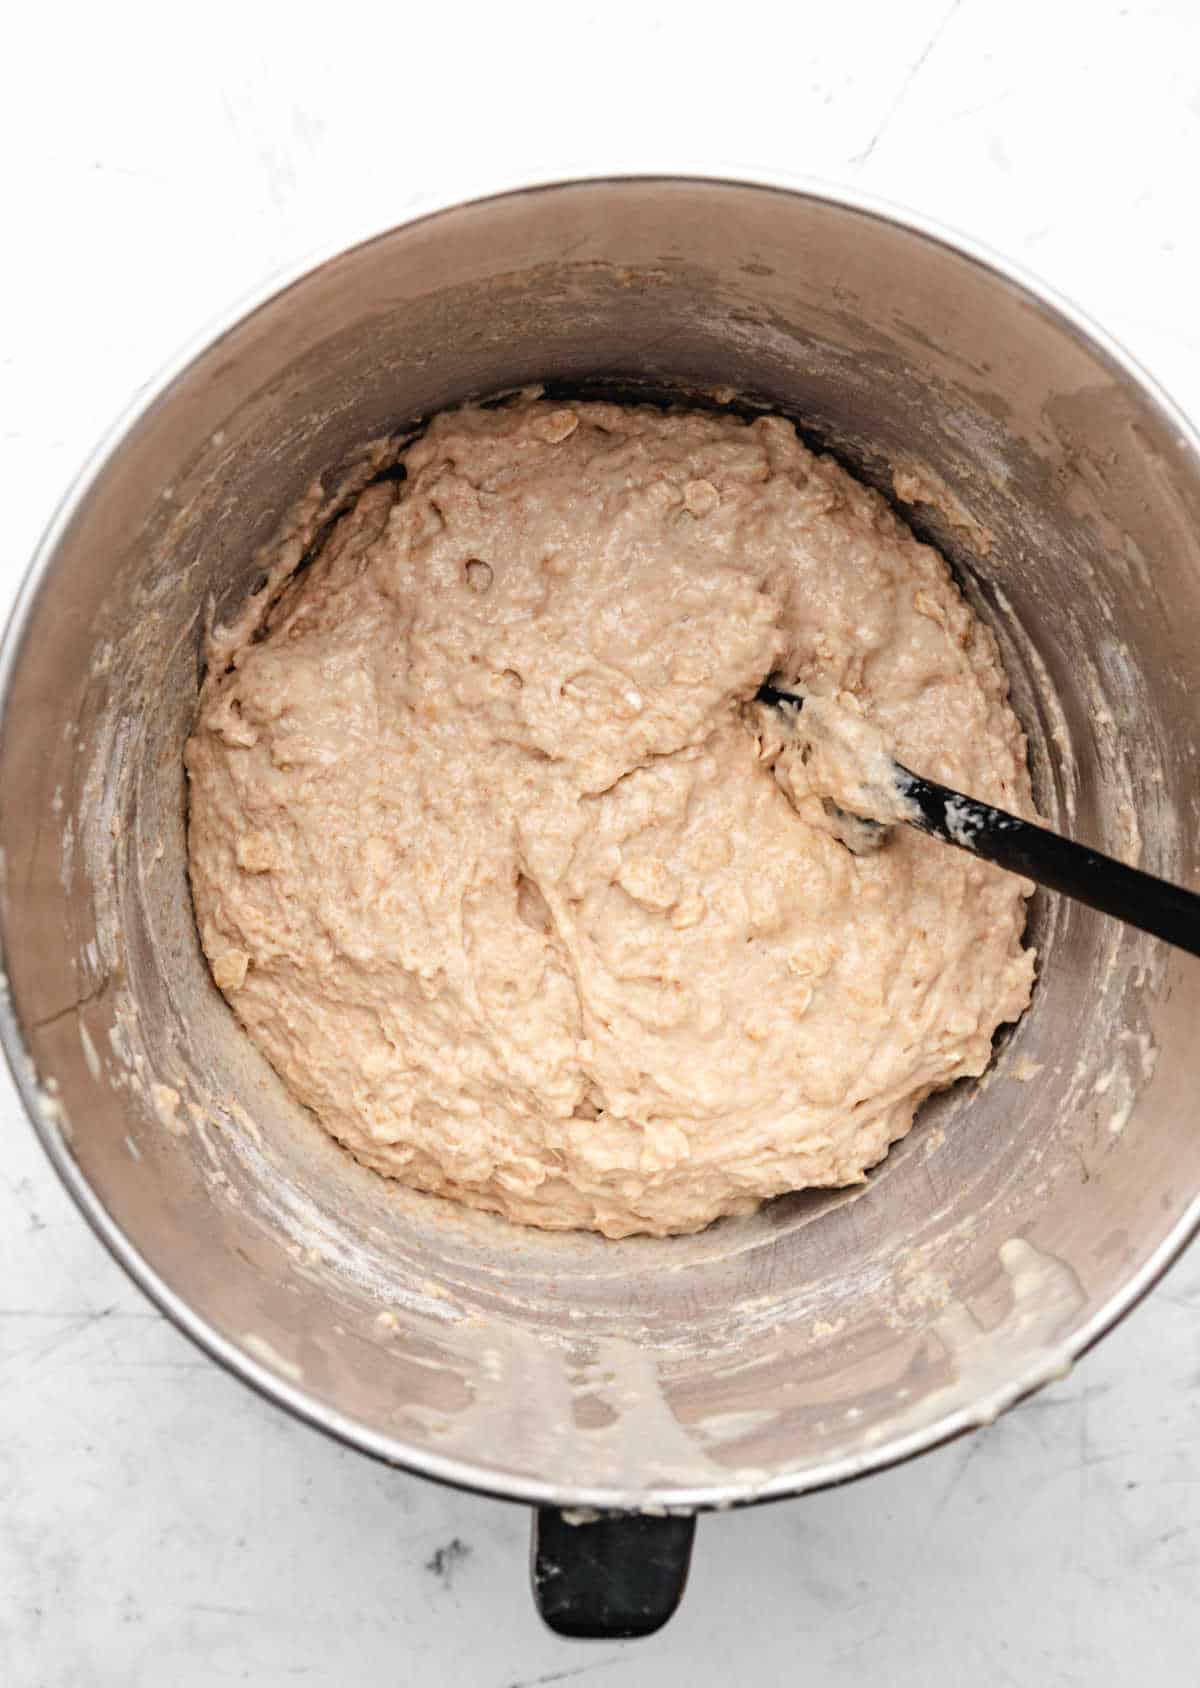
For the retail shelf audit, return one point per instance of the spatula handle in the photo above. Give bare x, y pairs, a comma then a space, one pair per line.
1139, 899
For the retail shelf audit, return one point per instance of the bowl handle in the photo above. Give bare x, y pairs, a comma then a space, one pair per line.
614, 1577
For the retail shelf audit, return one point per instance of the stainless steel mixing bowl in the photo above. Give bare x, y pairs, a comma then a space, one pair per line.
830, 1334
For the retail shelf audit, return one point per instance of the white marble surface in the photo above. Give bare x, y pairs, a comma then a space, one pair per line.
160, 1524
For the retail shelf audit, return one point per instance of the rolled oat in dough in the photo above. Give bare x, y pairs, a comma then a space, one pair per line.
491, 863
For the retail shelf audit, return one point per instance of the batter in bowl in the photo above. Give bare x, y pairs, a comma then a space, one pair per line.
489, 857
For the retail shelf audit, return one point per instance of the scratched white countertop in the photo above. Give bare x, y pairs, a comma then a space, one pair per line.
161, 1525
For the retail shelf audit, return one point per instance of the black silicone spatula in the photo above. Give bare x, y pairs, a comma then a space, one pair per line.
1139, 899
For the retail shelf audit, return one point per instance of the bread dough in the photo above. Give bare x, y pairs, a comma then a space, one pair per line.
488, 856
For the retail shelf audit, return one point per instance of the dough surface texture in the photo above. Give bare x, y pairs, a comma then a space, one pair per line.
489, 856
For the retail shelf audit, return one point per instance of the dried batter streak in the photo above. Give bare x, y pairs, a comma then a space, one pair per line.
491, 868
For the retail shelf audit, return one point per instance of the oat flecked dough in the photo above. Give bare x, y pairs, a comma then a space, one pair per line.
492, 867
